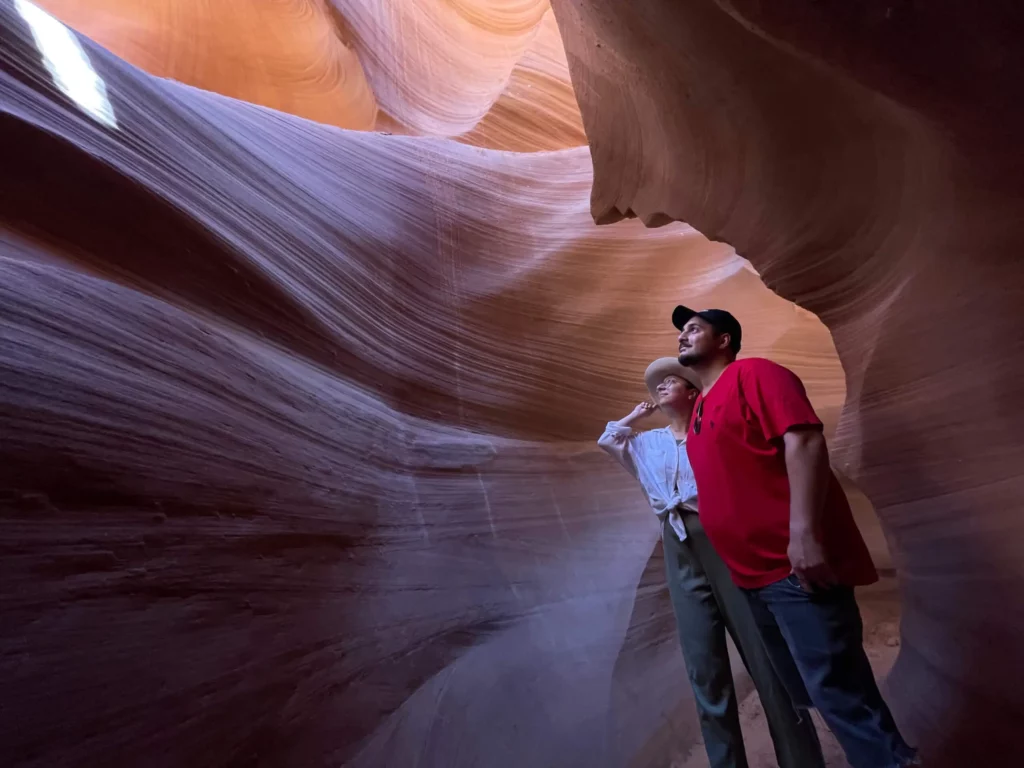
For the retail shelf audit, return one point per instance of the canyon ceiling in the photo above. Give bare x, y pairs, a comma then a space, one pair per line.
308, 331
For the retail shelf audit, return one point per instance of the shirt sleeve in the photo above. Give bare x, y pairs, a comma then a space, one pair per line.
777, 398
620, 442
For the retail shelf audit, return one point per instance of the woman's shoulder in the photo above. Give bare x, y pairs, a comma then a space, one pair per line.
655, 435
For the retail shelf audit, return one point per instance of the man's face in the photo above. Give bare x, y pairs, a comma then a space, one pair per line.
698, 342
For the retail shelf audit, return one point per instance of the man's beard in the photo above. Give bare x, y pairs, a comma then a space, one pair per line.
689, 358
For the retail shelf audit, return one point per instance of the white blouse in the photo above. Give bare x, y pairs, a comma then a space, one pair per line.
660, 463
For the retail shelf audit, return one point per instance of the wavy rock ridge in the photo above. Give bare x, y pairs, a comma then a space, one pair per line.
867, 160
297, 421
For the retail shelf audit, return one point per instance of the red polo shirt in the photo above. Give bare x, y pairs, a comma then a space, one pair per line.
738, 459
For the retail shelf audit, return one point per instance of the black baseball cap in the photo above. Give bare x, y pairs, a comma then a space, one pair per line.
719, 319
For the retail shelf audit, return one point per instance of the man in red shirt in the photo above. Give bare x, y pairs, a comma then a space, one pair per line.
777, 516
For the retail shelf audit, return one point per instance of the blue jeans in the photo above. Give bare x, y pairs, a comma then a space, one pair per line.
816, 643
708, 605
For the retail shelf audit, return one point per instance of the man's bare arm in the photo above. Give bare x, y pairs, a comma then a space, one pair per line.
808, 470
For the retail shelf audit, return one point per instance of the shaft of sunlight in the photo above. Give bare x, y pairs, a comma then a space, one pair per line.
68, 63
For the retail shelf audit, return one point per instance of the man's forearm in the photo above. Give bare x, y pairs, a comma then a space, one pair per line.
808, 470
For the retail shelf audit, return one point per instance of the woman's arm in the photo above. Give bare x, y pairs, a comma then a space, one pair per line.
616, 437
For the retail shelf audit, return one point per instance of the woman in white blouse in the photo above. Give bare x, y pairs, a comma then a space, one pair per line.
706, 602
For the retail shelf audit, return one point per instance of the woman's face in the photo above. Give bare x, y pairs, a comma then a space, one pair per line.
677, 393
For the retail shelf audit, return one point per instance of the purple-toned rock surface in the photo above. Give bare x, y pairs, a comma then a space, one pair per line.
297, 423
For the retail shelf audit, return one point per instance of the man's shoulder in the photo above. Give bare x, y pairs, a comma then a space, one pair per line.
758, 373
758, 363
757, 366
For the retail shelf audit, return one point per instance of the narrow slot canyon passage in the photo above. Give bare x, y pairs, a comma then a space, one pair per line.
312, 313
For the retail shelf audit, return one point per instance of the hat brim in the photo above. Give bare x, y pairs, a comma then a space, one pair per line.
667, 366
681, 316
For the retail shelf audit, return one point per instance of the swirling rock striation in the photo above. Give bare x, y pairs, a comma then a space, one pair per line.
297, 423
866, 159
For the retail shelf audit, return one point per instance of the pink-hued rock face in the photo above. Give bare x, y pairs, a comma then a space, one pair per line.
298, 419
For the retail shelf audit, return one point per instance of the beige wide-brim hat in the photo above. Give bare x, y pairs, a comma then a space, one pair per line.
667, 366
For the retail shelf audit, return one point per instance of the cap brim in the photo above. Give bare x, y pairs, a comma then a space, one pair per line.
681, 316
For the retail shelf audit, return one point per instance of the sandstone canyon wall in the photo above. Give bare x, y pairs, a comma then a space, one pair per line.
866, 158
304, 351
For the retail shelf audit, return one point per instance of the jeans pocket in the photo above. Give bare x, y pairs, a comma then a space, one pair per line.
792, 585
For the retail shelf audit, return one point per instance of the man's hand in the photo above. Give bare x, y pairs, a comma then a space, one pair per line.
808, 560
